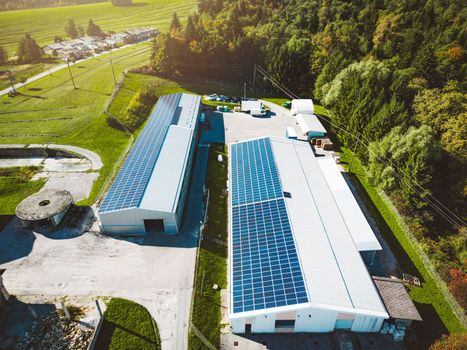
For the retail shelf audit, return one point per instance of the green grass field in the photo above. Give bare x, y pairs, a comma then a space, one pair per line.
43, 24
15, 185
438, 317
212, 263
51, 111
128, 326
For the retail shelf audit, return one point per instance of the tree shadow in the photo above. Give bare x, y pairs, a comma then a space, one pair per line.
428, 330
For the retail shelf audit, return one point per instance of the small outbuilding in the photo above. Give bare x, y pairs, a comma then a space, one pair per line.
44, 208
302, 106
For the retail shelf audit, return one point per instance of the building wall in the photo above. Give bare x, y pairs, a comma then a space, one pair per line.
367, 324
309, 320
131, 221
315, 321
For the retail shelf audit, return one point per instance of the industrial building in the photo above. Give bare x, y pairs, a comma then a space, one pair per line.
149, 191
295, 237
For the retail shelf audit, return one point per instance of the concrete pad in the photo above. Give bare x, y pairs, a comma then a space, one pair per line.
159, 278
20, 162
78, 184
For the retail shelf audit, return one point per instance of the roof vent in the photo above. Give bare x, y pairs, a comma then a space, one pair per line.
287, 194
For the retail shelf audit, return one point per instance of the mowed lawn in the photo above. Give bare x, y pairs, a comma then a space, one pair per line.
43, 24
51, 111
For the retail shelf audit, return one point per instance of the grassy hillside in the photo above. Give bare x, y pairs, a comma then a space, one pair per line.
51, 111
45, 23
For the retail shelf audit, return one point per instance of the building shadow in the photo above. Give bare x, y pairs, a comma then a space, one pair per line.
213, 129
17, 318
428, 330
17, 242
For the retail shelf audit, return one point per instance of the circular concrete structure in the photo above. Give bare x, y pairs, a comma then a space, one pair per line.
44, 205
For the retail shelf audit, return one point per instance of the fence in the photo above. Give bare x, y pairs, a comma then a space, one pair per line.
455, 307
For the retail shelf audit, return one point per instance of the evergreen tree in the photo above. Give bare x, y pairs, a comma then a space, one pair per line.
175, 24
3, 56
28, 50
94, 30
162, 57
70, 29
190, 30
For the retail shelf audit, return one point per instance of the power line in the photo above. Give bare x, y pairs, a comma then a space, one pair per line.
453, 219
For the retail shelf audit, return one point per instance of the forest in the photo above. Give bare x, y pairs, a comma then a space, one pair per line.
391, 73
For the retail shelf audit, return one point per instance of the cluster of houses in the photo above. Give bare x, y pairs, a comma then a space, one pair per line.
86, 46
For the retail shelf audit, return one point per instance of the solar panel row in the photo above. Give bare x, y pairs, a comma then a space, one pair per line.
254, 172
129, 185
266, 270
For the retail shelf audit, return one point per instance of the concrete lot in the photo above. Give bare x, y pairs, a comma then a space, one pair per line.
241, 126
76, 175
156, 272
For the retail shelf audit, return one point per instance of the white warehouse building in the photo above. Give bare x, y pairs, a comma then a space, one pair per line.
295, 237
149, 191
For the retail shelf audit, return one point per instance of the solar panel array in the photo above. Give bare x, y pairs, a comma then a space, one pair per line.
266, 270
128, 187
254, 172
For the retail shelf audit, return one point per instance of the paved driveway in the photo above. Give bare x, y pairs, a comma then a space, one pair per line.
76, 265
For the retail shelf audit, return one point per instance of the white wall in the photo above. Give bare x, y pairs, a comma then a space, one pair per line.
367, 324
238, 325
131, 221
315, 320
263, 323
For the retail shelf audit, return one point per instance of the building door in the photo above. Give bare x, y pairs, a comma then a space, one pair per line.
248, 328
154, 225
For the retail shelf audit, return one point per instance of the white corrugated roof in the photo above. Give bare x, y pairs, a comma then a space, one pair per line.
302, 106
310, 122
358, 226
334, 271
163, 188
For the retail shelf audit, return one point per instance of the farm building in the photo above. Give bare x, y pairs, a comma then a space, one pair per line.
139, 34
295, 237
148, 193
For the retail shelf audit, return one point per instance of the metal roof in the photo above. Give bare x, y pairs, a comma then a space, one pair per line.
138, 171
310, 122
332, 268
359, 228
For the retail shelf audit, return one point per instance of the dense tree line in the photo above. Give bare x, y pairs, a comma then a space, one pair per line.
8, 5
392, 73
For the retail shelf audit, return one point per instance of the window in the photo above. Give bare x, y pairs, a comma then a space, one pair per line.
285, 324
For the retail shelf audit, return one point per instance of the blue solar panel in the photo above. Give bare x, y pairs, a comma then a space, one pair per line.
129, 185
265, 264
254, 172
266, 271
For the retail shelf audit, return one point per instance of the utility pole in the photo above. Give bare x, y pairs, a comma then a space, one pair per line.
354, 150
244, 91
71, 75
12, 81
113, 72
254, 76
